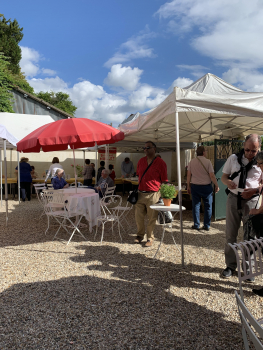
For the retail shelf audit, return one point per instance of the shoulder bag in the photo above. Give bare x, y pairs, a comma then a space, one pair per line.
133, 197
255, 223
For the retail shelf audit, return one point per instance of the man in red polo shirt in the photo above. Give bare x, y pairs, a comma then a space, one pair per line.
148, 191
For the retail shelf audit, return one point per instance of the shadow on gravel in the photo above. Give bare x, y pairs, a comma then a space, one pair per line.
126, 308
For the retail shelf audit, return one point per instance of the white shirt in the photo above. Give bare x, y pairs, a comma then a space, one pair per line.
52, 170
254, 176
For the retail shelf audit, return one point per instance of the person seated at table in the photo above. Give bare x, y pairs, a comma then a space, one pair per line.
100, 186
102, 163
53, 168
58, 181
112, 172
127, 168
34, 174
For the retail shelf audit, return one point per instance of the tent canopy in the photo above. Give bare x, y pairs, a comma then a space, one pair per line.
11, 141
21, 125
209, 108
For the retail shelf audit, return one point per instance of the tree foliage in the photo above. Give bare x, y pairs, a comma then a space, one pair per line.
5, 87
60, 100
10, 36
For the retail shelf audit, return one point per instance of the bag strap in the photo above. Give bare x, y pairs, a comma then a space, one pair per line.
202, 165
259, 196
146, 171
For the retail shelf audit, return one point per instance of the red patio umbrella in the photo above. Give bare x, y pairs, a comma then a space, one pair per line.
73, 132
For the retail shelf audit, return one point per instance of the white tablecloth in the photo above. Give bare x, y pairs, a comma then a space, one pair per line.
86, 204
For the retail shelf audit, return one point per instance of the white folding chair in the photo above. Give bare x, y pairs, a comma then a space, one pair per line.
248, 321
123, 213
249, 260
58, 209
110, 213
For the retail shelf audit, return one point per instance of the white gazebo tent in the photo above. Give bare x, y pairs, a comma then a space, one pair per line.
7, 141
207, 109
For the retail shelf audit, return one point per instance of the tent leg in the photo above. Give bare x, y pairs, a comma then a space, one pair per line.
1, 171
75, 169
96, 163
179, 183
6, 189
18, 178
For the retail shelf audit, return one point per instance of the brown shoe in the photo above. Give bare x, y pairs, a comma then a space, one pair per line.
148, 243
138, 239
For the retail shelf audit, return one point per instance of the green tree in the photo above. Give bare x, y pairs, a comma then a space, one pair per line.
10, 36
5, 87
60, 100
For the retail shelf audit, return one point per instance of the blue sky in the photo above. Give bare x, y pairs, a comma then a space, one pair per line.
117, 57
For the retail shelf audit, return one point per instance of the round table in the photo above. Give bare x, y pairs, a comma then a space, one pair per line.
174, 208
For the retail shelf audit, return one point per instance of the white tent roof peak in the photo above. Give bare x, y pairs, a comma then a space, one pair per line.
212, 85
209, 108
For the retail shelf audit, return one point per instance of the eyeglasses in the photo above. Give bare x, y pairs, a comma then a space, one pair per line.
147, 147
251, 150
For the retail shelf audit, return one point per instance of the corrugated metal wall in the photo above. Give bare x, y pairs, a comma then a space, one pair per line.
26, 105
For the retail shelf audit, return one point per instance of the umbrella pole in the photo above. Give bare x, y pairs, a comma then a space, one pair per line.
75, 169
18, 178
96, 162
1, 171
6, 190
179, 183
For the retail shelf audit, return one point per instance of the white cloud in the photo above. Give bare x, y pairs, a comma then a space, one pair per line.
196, 70
47, 71
245, 79
133, 48
179, 82
55, 84
28, 63
125, 77
229, 32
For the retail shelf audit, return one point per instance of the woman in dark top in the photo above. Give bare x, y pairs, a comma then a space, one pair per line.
58, 181
25, 178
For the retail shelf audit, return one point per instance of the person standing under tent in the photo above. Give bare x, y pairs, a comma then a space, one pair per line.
102, 166
112, 172
148, 194
53, 168
127, 168
87, 173
25, 178
243, 177
200, 173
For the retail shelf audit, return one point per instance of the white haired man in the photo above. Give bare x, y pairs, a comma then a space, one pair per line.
243, 177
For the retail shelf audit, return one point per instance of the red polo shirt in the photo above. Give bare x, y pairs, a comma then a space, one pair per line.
155, 175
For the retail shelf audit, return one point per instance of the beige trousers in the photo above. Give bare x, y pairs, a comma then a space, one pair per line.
142, 207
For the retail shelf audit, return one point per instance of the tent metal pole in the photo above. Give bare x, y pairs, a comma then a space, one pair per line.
6, 189
179, 183
96, 163
75, 169
10, 163
83, 158
1, 171
18, 178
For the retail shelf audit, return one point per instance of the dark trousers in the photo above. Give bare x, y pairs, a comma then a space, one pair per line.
204, 192
87, 182
25, 190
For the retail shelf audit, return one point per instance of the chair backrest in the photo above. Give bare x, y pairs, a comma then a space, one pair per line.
248, 320
250, 267
109, 191
109, 203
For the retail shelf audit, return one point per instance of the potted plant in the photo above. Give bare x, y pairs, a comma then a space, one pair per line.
168, 192
79, 170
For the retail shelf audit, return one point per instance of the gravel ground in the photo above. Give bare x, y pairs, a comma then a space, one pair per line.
115, 295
